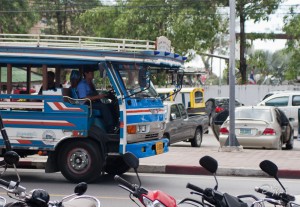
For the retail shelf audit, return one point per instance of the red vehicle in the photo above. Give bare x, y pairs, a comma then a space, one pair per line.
148, 198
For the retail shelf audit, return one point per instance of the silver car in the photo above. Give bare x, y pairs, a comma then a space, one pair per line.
260, 127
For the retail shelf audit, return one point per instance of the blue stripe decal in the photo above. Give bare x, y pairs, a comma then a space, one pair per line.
145, 118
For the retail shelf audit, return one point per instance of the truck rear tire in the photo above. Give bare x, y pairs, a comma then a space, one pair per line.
197, 140
80, 161
116, 166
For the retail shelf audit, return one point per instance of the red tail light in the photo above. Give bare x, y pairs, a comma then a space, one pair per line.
224, 130
219, 109
269, 131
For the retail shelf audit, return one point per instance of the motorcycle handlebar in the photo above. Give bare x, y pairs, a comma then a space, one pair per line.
195, 188
4, 182
124, 182
281, 196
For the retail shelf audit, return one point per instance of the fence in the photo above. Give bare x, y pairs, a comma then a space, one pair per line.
247, 94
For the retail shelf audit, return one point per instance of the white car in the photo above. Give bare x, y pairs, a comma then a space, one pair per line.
264, 127
289, 102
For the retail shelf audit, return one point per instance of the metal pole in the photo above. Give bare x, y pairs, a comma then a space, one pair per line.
220, 72
232, 137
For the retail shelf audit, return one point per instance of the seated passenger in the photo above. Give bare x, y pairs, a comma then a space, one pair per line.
86, 89
51, 83
75, 78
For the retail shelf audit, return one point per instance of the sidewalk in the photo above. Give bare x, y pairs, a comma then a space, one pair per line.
185, 160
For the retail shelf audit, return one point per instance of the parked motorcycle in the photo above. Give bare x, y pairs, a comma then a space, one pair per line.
211, 196
148, 198
36, 197
278, 198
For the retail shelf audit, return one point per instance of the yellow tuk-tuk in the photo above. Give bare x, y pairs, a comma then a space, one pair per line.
192, 98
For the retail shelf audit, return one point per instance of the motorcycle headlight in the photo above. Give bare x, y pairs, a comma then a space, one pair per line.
148, 203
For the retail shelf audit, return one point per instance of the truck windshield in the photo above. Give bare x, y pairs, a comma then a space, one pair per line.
132, 85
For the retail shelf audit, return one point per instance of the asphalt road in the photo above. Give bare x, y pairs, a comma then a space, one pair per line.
108, 192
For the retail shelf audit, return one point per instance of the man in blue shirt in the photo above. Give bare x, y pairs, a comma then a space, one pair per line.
86, 89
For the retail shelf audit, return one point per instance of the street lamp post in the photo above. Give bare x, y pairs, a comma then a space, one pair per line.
231, 142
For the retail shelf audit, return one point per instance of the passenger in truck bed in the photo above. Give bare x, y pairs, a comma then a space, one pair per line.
51, 83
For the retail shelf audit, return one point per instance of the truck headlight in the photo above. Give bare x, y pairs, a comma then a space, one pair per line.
148, 203
143, 128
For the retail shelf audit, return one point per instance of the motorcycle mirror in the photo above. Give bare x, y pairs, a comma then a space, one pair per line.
209, 163
11, 158
269, 167
131, 160
80, 188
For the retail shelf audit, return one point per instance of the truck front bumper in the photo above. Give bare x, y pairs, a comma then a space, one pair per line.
149, 148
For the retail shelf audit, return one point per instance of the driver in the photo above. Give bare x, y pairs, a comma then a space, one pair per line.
86, 89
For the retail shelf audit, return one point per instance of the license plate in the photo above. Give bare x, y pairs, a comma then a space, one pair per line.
245, 131
159, 147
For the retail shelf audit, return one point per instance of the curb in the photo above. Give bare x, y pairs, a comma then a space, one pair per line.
187, 170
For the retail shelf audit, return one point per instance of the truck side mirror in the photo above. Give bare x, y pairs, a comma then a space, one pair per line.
173, 116
143, 77
102, 70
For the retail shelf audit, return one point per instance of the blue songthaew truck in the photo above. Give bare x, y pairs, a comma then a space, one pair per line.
68, 130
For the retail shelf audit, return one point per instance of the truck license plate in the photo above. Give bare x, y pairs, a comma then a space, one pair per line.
159, 147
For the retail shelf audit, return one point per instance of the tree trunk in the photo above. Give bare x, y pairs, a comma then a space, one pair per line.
243, 65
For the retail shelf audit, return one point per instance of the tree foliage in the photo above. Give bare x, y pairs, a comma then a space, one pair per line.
188, 24
255, 10
16, 16
61, 16
292, 29
266, 64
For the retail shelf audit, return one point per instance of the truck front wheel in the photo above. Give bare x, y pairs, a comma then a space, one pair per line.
80, 161
197, 140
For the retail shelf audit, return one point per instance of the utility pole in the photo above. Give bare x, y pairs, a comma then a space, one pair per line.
231, 142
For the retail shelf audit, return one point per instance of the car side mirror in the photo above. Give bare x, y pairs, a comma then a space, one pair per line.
173, 116
262, 104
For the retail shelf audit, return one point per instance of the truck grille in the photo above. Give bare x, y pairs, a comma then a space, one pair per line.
151, 136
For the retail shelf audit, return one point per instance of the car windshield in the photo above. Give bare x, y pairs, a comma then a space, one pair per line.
253, 113
131, 83
222, 102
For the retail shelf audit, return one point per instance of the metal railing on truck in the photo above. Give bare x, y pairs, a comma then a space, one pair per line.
82, 42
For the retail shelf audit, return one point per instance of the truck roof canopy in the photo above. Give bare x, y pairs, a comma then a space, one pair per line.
69, 51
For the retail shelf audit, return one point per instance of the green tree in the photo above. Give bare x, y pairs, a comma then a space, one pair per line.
16, 16
61, 16
188, 24
292, 29
256, 10
268, 64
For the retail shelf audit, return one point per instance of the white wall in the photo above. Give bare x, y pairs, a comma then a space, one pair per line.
247, 94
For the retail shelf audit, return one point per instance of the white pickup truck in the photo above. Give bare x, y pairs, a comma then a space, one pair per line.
181, 126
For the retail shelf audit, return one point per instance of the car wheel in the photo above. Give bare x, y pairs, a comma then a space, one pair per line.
197, 140
80, 161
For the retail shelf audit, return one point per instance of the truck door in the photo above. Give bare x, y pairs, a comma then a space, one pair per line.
175, 123
186, 126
